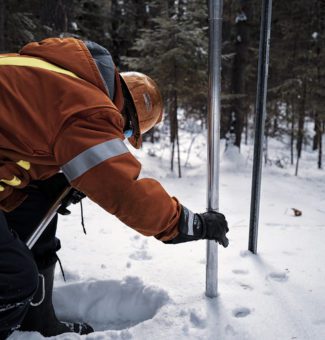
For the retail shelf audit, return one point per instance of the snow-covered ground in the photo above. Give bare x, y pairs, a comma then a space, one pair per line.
132, 287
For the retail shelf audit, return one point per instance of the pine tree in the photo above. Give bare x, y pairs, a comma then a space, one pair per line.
238, 86
56, 14
174, 53
21, 23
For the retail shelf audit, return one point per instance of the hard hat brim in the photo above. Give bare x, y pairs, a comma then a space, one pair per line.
136, 139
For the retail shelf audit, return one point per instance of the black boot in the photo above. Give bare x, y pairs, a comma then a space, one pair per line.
41, 316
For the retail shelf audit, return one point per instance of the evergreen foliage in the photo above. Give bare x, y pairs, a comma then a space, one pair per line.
173, 50
168, 40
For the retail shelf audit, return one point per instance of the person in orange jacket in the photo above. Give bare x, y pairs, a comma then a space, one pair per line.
65, 111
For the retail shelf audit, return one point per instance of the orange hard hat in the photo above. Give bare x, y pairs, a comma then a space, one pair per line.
147, 102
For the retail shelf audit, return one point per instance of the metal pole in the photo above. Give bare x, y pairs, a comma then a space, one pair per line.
47, 219
261, 92
215, 40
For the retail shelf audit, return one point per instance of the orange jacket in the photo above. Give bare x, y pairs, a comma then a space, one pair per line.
49, 119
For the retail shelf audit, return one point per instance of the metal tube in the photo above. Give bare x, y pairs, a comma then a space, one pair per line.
261, 93
46, 220
215, 43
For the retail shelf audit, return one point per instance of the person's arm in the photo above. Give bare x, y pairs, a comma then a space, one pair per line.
95, 160
91, 153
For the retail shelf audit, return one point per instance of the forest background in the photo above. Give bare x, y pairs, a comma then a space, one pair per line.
168, 40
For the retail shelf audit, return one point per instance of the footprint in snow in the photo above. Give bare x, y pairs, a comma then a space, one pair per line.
139, 242
230, 330
140, 255
267, 293
240, 271
319, 322
241, 312
278, 276
246, 286
141, 252
197, 320
110, 304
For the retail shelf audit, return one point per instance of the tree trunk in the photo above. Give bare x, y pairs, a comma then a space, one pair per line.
178, 152
173, 126
317, 129
174, 138
275, 127
2, 25
141, 17
115, 23
292, 135
56, 14
266, 149
172, 156
246, 128
297, 166
152, 135
320, 148
301, 121
266, 139
238, 86
287, 115
189, 151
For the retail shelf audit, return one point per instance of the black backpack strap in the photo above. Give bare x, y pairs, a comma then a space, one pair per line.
104, 64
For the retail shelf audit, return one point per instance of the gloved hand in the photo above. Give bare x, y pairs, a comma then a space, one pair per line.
215, 227
210, 225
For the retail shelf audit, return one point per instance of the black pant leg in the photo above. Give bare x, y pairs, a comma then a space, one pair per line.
25, 219
18, 279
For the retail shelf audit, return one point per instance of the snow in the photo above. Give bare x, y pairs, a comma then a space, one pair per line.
124, 304
315, 35
132, 287
74, 26
241, 17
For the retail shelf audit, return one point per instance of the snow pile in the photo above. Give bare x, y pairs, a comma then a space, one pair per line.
232, 160
109, 304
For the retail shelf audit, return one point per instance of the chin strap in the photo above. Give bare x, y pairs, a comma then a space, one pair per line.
128, 133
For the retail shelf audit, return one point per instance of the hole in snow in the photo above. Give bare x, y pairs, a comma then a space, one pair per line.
241, 312
278, 276
109, 304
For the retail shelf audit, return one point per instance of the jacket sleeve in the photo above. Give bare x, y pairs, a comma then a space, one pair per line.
112, 180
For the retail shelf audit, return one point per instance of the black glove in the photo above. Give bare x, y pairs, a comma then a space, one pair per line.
215, 227
210, 225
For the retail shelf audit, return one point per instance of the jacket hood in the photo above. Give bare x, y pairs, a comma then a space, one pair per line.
68, 53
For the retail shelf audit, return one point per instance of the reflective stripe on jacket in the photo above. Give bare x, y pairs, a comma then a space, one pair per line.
62, 118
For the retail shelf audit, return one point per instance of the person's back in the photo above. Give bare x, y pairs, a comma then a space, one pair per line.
38, 99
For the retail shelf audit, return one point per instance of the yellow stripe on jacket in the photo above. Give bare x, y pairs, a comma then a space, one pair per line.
34, 62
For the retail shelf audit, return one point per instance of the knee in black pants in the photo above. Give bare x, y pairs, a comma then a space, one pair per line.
24, 220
